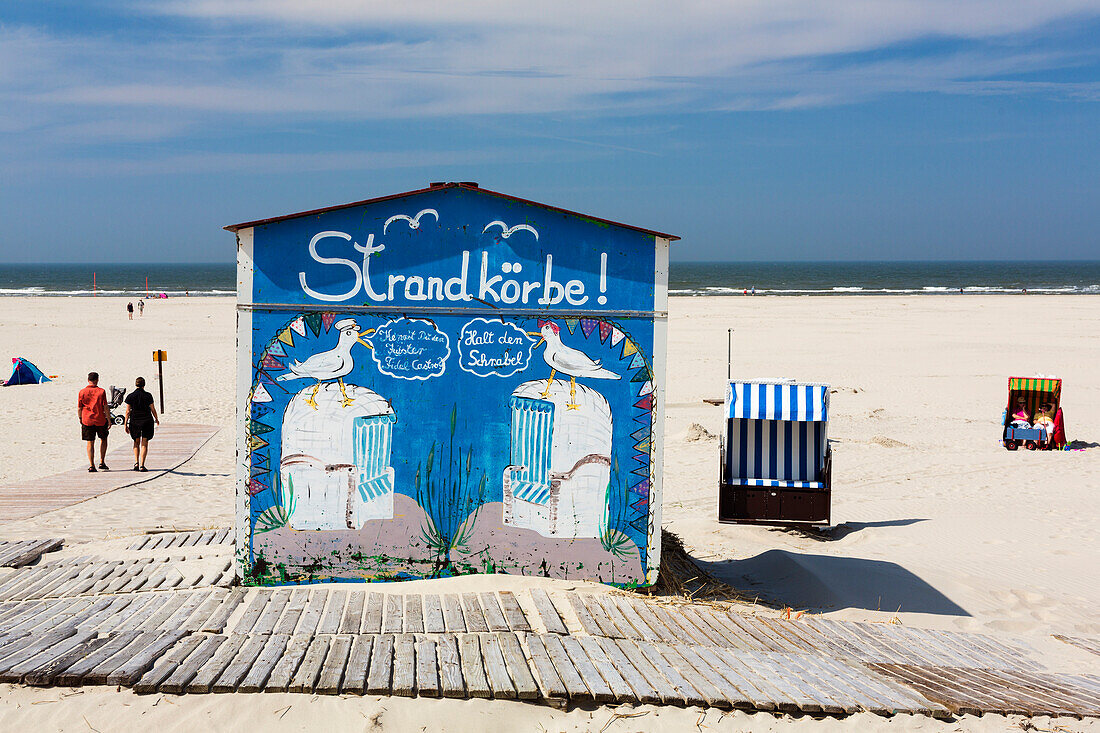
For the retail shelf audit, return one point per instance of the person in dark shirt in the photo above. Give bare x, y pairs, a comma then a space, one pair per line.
141, 416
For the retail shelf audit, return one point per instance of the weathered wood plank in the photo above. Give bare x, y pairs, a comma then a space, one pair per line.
404, 665
450, 667
334, 612
495, 669
355, 675
619, 687
471, 611
381, 666
295, 607
265, 624
311, 617
518, 669
139, 663
490, 607
551, 621
549, 681
83, 668
433, 614
641, 688
283, 672
664, 690
372, 616
453, 620
675, 655
394, 621
41, 656
39, 644
217, 621
353, 613
332, 673
427, 672
252, 611
310, 669
598, 689
275, 648
414, 614
513, 612
627, 611
567, 671
473, 669
46, 674
167, 664
240, 664
208, 673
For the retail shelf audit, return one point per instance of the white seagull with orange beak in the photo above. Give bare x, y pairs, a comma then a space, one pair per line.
332, 364
567, 360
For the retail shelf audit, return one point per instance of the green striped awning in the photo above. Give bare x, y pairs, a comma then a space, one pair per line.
1035, 384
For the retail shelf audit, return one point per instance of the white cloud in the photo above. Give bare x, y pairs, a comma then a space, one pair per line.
366, 59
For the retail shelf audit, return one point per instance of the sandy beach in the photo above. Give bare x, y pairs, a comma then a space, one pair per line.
935, 524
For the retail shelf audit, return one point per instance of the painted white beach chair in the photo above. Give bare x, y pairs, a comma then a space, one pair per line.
776, 463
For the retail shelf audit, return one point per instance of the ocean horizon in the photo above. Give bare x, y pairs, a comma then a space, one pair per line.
1067, 277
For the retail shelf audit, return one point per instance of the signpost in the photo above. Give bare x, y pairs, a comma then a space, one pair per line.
449, 381
160, 357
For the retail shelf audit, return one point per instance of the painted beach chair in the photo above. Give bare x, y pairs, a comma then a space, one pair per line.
556, 482
776, 464
1033, 393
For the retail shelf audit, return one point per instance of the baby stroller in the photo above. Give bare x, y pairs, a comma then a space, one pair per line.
117, 396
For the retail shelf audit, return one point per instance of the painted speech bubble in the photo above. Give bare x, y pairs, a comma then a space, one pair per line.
410, 348
493, 348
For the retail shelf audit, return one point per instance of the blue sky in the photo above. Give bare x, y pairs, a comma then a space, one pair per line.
756, 130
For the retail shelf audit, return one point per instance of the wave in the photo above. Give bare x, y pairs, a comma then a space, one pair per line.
152, 295
712, 290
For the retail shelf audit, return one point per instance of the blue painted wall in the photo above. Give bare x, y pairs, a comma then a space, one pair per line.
437, 354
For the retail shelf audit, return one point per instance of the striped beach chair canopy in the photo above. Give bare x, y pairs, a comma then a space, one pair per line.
778, 400
1035, 384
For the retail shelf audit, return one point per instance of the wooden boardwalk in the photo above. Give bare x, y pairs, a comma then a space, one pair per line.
172, 446
166, 624
17, 553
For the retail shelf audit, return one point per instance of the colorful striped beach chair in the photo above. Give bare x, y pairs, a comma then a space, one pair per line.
776, 463
1035, 392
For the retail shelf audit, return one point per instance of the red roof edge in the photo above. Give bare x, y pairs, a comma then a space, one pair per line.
468, 187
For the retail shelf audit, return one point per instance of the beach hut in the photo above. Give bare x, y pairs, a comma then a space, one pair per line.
447, 381
776, 464
336, 458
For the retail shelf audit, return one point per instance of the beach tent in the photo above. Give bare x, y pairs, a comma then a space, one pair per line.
23, 372
775, 456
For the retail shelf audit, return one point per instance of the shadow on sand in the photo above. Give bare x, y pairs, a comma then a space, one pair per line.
829, 583
842, 530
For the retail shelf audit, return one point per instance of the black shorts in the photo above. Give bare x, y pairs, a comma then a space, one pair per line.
141, 430
91, 432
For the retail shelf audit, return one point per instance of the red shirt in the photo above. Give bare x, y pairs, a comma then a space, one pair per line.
93, 406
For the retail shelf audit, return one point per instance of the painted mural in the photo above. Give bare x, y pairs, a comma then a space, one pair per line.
386, 440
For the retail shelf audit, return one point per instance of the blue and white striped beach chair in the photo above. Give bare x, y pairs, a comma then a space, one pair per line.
775, 456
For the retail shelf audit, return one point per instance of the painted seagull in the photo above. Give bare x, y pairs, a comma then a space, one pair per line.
414, 221
567, 360
507, 231
327, 365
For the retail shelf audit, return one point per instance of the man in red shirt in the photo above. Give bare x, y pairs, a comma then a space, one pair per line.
91, 408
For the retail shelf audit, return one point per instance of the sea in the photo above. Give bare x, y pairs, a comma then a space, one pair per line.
685, 278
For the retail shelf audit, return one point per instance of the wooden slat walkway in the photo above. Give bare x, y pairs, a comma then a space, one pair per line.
193, 538
1088, 643
172, 446
17, 553
86, 621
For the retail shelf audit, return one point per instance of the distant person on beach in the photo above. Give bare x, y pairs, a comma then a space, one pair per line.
91, 409
141, 416
130, 310
141, 307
